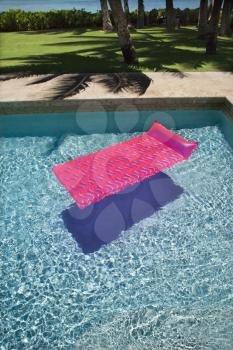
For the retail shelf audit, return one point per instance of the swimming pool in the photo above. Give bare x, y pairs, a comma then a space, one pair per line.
166, 283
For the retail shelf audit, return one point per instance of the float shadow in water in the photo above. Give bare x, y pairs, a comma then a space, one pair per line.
102, 222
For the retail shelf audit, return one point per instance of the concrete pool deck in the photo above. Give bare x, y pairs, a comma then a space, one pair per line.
157, 85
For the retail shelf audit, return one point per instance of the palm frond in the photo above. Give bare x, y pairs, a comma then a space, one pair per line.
43, 79
71, 84
136, 83
174, 71
9, 76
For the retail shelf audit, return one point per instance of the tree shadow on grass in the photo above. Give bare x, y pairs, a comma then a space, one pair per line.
179, 49
76, 31
67, 62
167, 52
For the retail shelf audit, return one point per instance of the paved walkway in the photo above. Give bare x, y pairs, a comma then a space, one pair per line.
165, 84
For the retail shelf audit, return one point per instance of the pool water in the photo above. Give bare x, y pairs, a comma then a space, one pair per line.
167, 283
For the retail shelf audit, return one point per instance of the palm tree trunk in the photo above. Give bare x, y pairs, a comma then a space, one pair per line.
225, 29
126, 43
107, 24
202, 19
211, 2
126, 9
212, 28
141, 14
170, 16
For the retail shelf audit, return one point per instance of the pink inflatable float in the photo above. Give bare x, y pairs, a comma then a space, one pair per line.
93, 177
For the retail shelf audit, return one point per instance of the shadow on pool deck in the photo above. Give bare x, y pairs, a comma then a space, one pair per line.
72, 84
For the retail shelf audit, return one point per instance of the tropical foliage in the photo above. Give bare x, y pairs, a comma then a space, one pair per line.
17, 20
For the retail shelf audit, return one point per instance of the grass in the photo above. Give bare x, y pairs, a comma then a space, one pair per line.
95, 51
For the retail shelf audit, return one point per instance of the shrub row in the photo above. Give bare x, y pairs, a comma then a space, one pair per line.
17, 20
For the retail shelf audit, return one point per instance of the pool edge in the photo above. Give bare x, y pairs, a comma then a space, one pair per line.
119, 104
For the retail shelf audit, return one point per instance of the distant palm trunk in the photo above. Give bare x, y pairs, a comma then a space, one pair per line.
202, 19
141, 14
126, 43
225, 29
126, 9
171, 20
212, 28
107, 24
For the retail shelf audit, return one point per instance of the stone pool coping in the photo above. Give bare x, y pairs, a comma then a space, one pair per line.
117, 104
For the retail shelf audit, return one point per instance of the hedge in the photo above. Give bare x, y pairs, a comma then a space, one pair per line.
17, 20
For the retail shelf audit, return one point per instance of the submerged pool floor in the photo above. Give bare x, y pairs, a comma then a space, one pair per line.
167, 283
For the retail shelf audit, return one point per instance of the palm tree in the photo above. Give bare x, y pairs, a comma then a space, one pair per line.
202, 19
141, 14
126, 43
126, 9
171, 18
107, 24
212, 28
225, 29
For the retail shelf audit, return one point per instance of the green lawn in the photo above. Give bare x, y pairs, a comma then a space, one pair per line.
94, 51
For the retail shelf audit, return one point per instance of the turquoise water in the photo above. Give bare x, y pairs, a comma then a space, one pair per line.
165, 284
